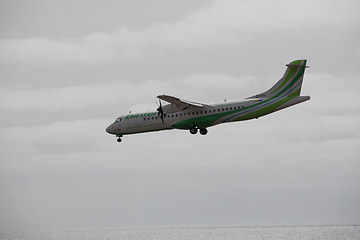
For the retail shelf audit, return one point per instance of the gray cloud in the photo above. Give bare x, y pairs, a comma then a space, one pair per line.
224, 23
59, 91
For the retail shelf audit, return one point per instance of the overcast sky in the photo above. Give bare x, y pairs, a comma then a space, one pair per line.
69, 68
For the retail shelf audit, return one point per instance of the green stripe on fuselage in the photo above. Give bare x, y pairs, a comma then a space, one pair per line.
266, 110
205, 121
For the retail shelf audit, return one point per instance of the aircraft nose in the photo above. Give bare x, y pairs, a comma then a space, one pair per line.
110, 129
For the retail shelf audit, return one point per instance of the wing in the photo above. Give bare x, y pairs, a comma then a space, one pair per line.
180, 102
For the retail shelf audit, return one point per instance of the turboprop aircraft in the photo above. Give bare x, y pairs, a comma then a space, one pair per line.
194, 116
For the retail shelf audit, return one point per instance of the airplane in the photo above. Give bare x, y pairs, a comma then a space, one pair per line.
194, 116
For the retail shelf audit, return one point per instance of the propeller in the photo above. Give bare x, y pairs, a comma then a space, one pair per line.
160, 111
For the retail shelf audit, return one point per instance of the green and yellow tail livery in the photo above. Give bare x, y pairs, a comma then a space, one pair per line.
289, 84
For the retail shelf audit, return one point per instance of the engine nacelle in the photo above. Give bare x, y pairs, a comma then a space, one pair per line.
171, 108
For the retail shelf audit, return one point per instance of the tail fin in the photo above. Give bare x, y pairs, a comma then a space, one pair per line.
290, 83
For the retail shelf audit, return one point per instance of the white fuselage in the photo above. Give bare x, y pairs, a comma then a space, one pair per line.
183, 114
150, 121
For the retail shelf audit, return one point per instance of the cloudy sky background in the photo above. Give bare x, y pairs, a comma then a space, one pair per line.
69, 68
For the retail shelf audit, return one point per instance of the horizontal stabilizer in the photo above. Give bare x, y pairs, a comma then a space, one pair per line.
292, 102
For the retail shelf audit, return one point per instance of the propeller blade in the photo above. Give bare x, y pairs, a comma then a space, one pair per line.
160, 111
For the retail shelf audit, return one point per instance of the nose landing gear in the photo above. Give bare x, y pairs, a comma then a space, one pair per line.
119, 138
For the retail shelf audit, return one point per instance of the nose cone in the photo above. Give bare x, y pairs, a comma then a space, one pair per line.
110, 129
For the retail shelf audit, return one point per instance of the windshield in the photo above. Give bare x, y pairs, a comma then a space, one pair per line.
118, 120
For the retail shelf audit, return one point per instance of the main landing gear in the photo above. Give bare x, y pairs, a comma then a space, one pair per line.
203, 131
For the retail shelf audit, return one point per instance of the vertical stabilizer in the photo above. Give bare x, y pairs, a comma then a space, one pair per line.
290, 83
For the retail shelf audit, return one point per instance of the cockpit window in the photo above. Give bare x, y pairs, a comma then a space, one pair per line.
118, 120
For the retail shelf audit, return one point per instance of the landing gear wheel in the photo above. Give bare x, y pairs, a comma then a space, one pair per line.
119, 140
203, 131
193, 130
